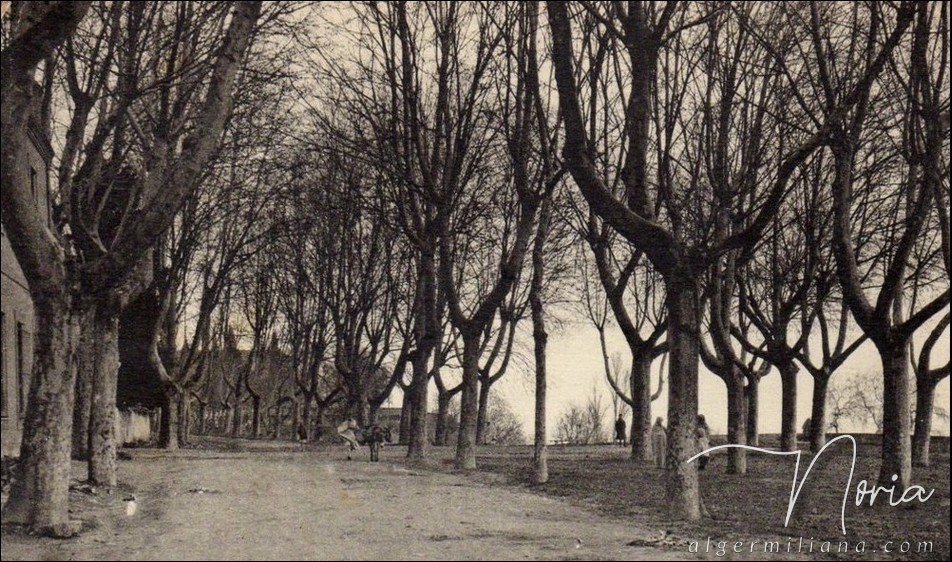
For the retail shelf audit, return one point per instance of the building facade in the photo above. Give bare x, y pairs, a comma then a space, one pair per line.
16, 306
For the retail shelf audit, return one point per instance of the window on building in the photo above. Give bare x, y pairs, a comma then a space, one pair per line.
22, 375
33, 184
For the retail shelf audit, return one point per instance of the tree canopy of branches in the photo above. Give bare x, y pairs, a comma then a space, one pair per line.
308, 206
699, 207
162, 116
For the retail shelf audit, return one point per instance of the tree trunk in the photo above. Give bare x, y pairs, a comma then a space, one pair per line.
418, 423
39, 496
168, 432
788, 408
753, 411
469, 405
442, 412
318, 421
285, 420
641, 406
818, 413
405, 412
184, 412
353, 408
201, 418
482, 412
362, 408
736, 424
540, 452
428, 331
255, 416
925, 403
419, 385
287, 412
684, 320
236, 417
296, 420
304, 417
83, 399
373, 413
226, 421
897, 448
102, 420
540, 338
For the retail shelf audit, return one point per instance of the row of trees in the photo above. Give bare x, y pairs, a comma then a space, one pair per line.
768, 162
188, 204
854, 402
738, 184
144, 93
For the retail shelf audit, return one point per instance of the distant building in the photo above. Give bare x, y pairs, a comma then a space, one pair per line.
16, 305
390, 417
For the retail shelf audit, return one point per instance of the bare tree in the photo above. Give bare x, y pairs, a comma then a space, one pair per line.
303, 285
447, 349
503, 428
499, 357
927, 378
365, 308
257, 302
570, 427
861, 400
583, 424
772, 291
930, 90
835, 348
202, 256
409, 133
680, 251
858, 136
467, 186
177, 154
787, 289
626, 384
840, 406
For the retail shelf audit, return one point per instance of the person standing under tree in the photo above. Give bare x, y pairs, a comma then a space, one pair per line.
620, 431
703, 433
807, 429
659, 442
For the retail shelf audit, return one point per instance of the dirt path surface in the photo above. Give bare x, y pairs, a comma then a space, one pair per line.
318, 505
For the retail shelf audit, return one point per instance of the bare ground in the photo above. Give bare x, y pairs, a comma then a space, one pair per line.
281, 505
753, 507
240, 499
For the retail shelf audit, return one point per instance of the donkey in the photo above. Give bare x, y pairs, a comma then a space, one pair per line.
374, 437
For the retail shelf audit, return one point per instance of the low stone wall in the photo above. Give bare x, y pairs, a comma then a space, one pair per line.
134, 427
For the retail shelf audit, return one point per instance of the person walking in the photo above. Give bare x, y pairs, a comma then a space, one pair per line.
348, 432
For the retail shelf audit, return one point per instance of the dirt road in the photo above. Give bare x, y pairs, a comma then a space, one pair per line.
318, 505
